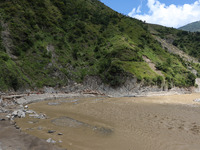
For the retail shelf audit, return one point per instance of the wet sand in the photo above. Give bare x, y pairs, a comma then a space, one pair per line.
138, 123
12, 139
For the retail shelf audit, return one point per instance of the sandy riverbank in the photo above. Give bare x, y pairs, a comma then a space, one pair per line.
135, 123
11, 137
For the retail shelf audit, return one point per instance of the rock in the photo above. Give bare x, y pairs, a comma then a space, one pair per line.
41, 116
197, 100
26, 107
59, 141
60, 134
33, 115
49, 90
21, 114
18, 113
17, 127
3, 110
38, 116
51, 131
39, 128
50, 140
21, 106
2, 119
30, 112
8, 116
1, 100
15, 113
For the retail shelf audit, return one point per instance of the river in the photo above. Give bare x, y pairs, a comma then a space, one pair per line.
126, 123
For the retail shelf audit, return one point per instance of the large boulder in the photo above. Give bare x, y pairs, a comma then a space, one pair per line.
19, 113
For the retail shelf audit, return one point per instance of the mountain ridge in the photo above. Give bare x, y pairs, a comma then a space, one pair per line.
192, 27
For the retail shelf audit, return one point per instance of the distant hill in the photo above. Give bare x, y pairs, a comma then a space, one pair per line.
193, 27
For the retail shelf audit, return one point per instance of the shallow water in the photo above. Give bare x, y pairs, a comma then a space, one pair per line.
143, 123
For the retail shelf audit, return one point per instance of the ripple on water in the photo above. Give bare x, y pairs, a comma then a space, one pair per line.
53, 103
74, 101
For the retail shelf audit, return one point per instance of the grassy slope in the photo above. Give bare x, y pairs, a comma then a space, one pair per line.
188, 42
59, 40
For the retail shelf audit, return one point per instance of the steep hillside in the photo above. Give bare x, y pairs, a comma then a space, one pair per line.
193, 27
55, 42
187, 42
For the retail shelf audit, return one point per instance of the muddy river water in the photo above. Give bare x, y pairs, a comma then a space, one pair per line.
135, 123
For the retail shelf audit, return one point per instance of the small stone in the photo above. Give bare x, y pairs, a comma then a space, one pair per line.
8, 116
17, 127
2, 119
197, 100
41, 116
50, 140
60, 134
30, 112
59, 141
51, 131
39, 128
33, 115
26, 107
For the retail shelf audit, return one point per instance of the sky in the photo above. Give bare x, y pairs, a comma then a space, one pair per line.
170, 13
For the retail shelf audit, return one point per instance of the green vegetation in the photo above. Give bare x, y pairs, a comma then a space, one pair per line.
188, 42
49, 42
192, 27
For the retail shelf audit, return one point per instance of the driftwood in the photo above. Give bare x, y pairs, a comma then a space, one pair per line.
12, 97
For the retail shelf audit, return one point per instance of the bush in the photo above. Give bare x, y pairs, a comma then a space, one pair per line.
160, 80
4, 56
191, 79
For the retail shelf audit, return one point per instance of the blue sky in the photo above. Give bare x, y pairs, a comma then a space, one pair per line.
171, 13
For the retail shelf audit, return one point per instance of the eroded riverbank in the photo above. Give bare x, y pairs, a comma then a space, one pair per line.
137, 123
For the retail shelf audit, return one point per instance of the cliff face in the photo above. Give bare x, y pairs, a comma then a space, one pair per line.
55, 43
131, 88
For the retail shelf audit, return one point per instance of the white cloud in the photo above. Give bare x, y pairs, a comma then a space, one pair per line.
138, 9
171, 16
